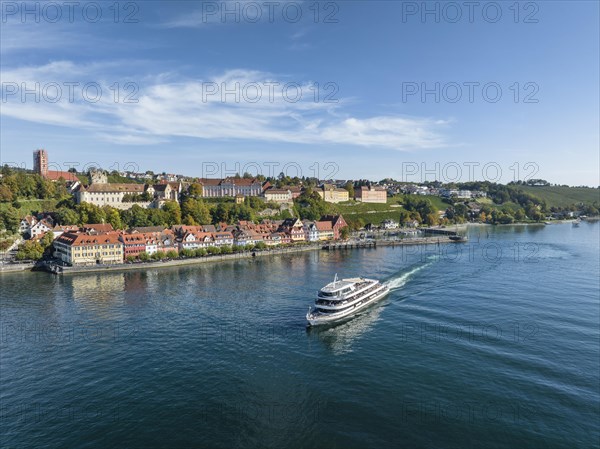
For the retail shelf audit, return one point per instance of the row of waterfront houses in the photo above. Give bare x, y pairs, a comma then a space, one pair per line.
101, 244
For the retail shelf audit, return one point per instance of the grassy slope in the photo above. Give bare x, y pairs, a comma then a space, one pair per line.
563, 196
376, 213
29, 206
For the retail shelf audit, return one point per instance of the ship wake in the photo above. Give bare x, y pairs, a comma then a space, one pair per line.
400, 281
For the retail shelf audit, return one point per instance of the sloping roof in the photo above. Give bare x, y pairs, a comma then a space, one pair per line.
273, 191
127, 188
323, 225
209, 182
98, 227
198, 235
80, 239
235, 181
133, 238
65, 228
332, 218
147, 229
242, 181
292, 188
54, 175
30, 219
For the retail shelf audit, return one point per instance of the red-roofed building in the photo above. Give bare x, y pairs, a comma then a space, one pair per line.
337, 223
372, 194
84, 249
325, 229
133, 244
40, 166
97, 228
194, 240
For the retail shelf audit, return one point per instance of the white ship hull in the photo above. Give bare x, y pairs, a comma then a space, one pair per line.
316, 317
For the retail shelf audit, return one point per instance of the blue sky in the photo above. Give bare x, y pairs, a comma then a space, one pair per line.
373, 58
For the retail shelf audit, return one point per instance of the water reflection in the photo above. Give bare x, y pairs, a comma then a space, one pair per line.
341, 337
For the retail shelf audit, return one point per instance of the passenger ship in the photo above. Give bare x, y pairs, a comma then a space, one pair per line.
342, 298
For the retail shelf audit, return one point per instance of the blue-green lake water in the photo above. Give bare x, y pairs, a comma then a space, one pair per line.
495, 346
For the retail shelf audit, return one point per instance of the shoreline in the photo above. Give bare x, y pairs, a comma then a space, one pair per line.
183, 262
30, 267
217, 258
239, 256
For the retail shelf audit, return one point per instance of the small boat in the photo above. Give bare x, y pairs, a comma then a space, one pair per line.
343, 298
458, 238
576, 223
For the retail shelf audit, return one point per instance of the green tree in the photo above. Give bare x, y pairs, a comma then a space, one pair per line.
30, 250
172, 254
113, 217
350, 188
47, 239
221, 213
5, 244
6, 195
195, 190
172, 213
310, 205
345, 233
66, 216
197, 210
90, 213
9, 219
431, 219
189, 221
212, 250
187, 252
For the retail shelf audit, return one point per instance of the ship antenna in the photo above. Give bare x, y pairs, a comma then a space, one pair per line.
335, 279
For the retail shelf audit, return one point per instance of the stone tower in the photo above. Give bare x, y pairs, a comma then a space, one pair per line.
98, 177
40, 162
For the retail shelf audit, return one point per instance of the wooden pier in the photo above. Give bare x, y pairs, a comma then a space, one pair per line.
438, 231
350, 245
387, 242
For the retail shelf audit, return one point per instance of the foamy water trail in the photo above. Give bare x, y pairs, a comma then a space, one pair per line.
401, 280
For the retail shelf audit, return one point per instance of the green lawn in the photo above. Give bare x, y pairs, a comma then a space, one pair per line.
563, 196
29, 206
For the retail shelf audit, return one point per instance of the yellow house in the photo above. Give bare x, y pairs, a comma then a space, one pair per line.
85, 249
333, 194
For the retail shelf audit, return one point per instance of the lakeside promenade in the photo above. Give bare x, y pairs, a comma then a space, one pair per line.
66, 270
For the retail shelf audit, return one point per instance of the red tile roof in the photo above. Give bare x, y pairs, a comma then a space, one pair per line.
324, 225
56, 175
115, 187
98, 227
74, 239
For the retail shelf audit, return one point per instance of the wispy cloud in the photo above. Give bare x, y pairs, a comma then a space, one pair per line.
235, 12
255, 107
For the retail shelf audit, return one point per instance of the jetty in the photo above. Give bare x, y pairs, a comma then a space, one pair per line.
438, 231
354, 244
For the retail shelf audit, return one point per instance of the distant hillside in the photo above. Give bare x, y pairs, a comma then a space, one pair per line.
558, 196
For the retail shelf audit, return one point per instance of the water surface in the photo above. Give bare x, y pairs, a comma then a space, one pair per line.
494, 346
